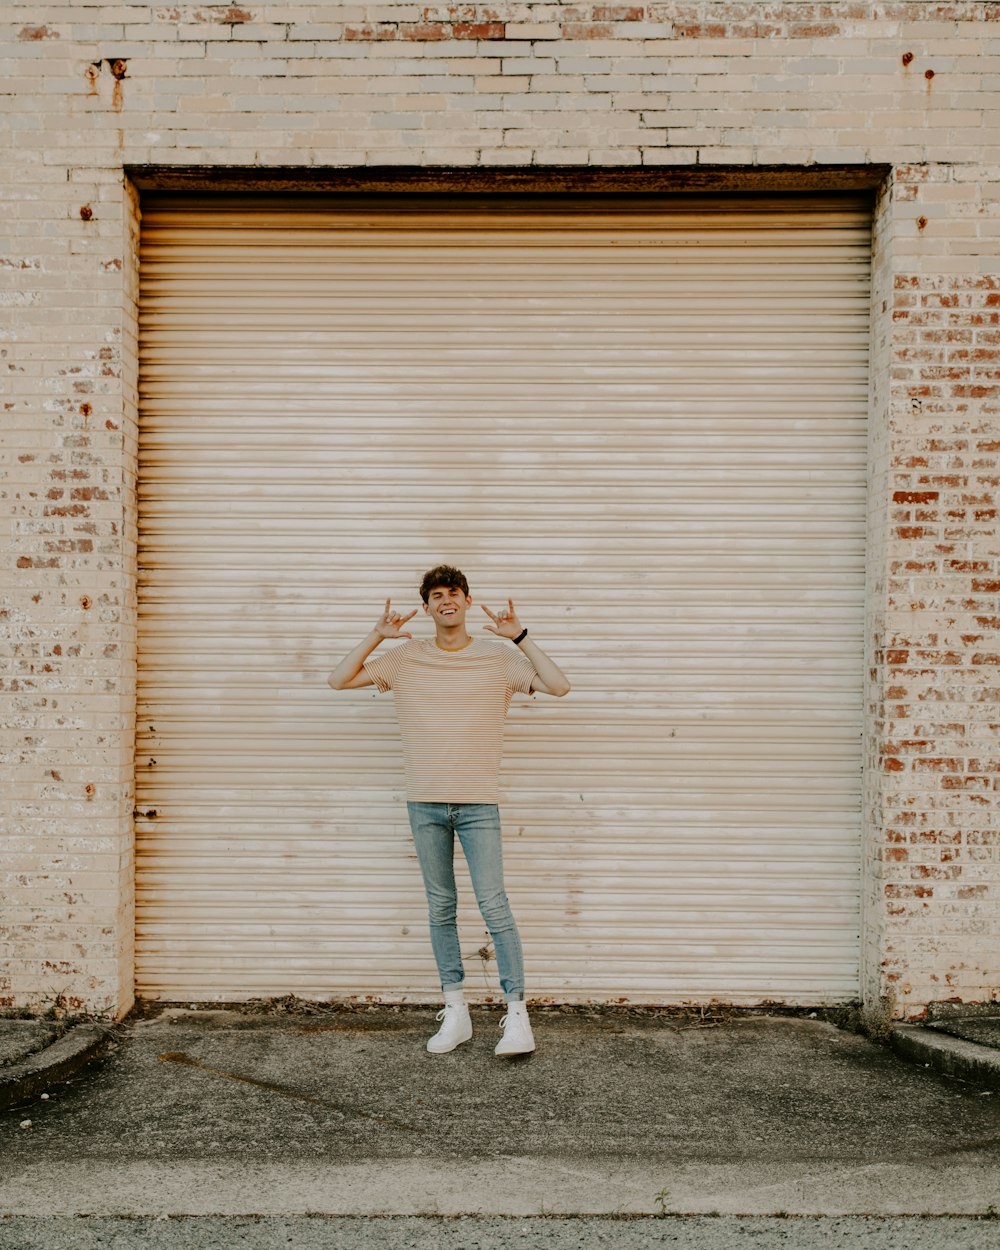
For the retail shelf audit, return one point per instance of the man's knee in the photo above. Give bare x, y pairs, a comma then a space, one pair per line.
496, 911
442, 909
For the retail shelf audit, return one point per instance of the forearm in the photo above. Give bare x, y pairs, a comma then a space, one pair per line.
549, 673
352, 663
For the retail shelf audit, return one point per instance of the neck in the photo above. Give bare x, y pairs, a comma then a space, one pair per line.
453, 639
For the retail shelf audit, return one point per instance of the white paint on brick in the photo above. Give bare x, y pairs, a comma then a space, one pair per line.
293, 87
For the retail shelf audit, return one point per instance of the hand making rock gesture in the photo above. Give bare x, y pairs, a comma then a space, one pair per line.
390, 624
505, 624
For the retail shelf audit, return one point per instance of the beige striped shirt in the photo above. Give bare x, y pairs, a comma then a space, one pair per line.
451, 707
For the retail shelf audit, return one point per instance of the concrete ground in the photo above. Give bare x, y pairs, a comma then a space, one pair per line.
726, 1232
983, 1030
204, 1113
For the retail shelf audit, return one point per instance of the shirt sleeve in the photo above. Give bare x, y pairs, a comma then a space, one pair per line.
518, 670
383, 669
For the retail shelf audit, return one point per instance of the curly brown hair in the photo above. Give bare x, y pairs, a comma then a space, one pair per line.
443, 575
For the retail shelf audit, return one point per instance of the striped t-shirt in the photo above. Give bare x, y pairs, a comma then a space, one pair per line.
451, 707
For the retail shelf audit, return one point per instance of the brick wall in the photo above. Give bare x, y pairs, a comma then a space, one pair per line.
936, 657
89, 89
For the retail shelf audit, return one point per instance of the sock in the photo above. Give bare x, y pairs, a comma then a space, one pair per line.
454, 998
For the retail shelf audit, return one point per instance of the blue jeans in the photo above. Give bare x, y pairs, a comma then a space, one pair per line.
434, 828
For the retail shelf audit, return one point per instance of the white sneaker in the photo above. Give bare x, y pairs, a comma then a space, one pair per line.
456, 1028
517, 1036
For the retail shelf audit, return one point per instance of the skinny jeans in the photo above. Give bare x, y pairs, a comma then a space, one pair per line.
477, 826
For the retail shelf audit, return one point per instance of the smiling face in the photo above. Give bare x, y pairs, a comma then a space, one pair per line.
447, 606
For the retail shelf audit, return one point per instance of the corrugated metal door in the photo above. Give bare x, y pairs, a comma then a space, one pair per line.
642, 418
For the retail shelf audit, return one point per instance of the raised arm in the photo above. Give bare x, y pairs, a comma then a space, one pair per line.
350, 672
549, 677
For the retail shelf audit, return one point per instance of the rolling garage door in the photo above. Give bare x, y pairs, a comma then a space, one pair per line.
644, 419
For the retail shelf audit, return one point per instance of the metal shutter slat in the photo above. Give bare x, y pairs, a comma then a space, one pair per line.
647, 422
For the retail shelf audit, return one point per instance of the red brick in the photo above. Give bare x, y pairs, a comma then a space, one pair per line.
479, 30
618, 13
377, 33
816, 30
424, 32
587, 30
914, 496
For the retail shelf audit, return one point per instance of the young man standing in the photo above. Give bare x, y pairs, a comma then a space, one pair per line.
452, 696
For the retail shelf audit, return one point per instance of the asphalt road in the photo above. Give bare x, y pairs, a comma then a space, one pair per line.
218, 1115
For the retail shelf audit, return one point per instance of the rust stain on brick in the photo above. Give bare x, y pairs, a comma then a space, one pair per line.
37, 32
907, 58
86, 212
119, 69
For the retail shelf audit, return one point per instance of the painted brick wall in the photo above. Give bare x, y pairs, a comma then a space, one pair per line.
90, 88
936, 654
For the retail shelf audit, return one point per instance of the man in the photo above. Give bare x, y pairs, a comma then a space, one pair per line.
452, 694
